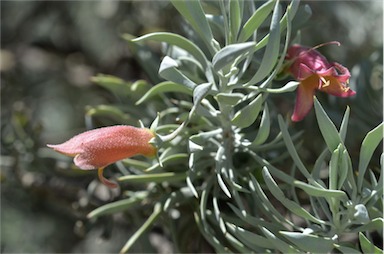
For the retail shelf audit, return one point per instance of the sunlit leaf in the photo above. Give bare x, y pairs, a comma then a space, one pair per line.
248, 114
327, 128
228, 54
309, 243
367, 246
370, 142
256, 20
164, 87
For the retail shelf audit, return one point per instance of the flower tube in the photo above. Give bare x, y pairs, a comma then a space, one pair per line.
98, 148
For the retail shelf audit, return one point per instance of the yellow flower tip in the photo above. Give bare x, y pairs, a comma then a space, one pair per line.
104, 180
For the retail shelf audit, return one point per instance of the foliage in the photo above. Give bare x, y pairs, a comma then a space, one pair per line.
232, 174
219, 162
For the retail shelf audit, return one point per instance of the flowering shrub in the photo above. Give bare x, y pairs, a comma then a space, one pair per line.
220, 163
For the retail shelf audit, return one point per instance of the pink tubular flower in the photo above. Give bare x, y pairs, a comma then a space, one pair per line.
96, 149
314, 72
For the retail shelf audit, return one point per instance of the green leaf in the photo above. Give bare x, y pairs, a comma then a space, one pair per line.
284, 22
290, 205
194, 14
250, 239
291, 148
146, 58
235, 18
164, 87
367, 246
279, 244
144, 228
333, 168
247, 115
289, 87
344, 168
375, 224
370, 142
272, 50
327, 128
264, 129
309, 243
254, 22
178, 197
156, 178
176, 40
319, 192
228, 54
109, 111
344, 124
347, 250
168, 70
115, 207
229, 98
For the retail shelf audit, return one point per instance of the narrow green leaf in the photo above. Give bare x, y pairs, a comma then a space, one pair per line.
272, 50
327, 128
144, 228
228, 54
115, 207
178, 197
168, 70
264, 129
344, 168
166, 161
370, 142
279, 244
247, 115
367, 246
156, 178
148, 60
194, 14
109, 111
254, 22
290, 205
250, 239
284, 22
176, 40
375, 224
344, 125
235, 18
333, 169
164, 87
289, 87
291, 148
309, 243
318, 192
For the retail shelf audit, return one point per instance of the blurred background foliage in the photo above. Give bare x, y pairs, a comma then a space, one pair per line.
49, 51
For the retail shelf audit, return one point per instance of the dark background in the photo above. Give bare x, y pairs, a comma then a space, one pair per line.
49, 51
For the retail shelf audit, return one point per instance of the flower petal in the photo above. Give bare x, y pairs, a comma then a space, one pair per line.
304, 97
336, 88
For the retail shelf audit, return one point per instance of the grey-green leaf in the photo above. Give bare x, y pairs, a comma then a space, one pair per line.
228, 54
370, 142
255, 20
164, 87
247, 115
309, 243
327, 128
168, 70
194, 14
272, 50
